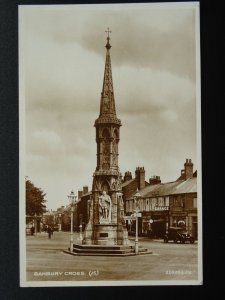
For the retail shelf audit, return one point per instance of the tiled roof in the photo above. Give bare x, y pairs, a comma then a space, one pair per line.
187, 186
170, 188
88, 193
161, 189
127, 182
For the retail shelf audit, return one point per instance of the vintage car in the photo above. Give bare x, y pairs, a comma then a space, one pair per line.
178, 234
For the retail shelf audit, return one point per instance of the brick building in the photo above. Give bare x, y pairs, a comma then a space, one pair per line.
161, 204
183, 201
82, 209
130, 185
167, 204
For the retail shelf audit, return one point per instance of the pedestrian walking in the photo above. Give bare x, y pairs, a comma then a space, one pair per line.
49, 230
32, 230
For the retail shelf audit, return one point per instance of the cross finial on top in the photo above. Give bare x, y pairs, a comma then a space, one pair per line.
108, 31
108, 46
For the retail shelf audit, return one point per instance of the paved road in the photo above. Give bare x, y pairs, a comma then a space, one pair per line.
46, 261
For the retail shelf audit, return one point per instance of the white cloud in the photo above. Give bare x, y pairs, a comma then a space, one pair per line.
45, 143
153, 64
151, 90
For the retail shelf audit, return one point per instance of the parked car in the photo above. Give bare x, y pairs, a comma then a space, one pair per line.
178, 234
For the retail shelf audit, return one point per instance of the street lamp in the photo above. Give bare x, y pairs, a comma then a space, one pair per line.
81, 238
60, 225
72, 200
136, 199
35, 224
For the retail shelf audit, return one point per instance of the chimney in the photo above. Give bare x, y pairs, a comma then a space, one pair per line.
80, 194
140, 177
85, 190
154, 180
188, 169
127, 176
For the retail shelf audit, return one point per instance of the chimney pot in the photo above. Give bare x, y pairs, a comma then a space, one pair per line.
85, 189
188, 169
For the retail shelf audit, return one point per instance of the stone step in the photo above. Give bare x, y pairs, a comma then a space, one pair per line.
105, 250
106, 254
102, 251
104, 247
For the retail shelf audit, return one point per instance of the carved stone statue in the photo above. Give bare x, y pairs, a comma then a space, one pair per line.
105, 208
116, 184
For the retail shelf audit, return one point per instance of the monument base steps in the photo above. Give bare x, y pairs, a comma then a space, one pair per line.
104, 250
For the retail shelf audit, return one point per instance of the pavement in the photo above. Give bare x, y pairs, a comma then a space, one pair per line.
46, 261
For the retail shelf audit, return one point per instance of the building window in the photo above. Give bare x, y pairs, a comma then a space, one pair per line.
147, 204
166, 201
128, 206
144, 202
141, 205
174, 201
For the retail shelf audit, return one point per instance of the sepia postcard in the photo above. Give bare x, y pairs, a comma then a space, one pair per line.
110, 145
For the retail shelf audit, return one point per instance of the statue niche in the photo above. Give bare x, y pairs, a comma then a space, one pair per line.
105, 208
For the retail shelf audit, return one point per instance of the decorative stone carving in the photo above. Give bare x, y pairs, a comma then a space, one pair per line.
105, 208
90, 209
108, 120
106, 103
96, 185
106, 172
114, 153
105, 154
116, 184
120, 206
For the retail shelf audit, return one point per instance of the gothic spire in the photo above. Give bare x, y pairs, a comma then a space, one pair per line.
107, 106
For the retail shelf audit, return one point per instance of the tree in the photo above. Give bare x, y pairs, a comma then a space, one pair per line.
35, 199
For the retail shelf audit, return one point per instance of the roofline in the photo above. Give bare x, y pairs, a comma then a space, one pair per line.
167, 194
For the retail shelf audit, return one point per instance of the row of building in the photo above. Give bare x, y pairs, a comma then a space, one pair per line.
161, 205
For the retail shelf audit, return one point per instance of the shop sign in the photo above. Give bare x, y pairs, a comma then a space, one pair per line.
129, 218
139, 214
161, 208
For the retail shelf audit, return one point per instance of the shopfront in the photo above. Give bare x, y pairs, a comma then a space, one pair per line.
160, 223
155, 223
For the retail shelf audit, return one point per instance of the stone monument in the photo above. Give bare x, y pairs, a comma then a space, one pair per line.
105, 226
106, 233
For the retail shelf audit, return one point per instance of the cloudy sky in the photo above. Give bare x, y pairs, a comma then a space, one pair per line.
62, 59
